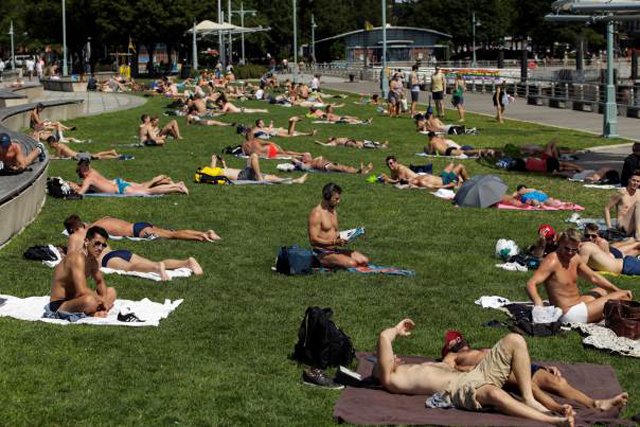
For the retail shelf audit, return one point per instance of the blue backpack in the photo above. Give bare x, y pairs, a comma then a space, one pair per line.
293, 260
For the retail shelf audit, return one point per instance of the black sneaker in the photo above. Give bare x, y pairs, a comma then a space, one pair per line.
318, 378
129, 318
43, 151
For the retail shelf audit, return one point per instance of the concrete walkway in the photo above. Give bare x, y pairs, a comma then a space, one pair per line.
481, 103
95, 102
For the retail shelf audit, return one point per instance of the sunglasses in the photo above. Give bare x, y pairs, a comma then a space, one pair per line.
590, 236
100, 245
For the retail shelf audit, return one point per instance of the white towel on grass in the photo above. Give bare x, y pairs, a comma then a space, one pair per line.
492, 301
444, 193
33, 308
458, 157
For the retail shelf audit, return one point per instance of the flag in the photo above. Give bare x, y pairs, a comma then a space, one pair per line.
131, 46
368, 26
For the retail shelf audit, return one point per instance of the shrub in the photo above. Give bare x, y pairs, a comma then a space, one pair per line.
249, 71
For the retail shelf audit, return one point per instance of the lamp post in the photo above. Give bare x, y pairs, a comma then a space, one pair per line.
13, 51
221, 54
384, 83
242, 12
610, 119
229, 35
313, 39
295, 43
65, 69
474, 24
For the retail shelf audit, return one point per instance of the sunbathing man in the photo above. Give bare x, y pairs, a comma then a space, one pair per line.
330, 116
352, 143
64, 152
325, 165
263, 132
265, 149
125, 260
227, 107
194, 118
533, 197
146, 134
559, 272
474, 390
452, 176
324, 234
447, 147
170, 129
544, 379
600, 260
69, 290
13, 159
629, 247
92, 180
627, 203
119, 227
251, 172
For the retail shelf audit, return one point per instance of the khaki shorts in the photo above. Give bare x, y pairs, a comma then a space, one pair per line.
494, 369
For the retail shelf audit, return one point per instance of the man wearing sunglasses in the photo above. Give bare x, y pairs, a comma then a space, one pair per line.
70, 292
629, 247
559, 273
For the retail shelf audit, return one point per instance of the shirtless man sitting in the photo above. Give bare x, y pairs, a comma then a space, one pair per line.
119, 227
627, 204
452, 176
64, 152
475, 390
352, 143
13, 159
332, 117
170, 129
325, 165
251, 172
265, 132
146, 134
559, 272
324, 234
92, 180
447, 147
69, 290
544, 379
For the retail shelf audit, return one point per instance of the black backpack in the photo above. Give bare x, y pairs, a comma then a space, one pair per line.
60, 189
320, 342
40, 253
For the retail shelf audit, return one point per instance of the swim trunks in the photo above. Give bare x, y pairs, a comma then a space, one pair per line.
538, 196
138, 227
576, 314
54, 306
247, 174
617, 253
448, 151
415, 95
437, 96
325, 167
448, 177
120, 253
494, 370
122, 185
631, 266
150, 143
272, 151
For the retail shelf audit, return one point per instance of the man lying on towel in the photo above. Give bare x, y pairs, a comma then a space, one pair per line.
92, 180
322, 164
439, 145
251, 171
475, 390
324, 234
559, 272
69, 290
265, 149
599, 260
457, 353
119, 227
128, 261
452, 176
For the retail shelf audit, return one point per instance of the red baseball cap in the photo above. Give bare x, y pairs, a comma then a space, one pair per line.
449, 336
547, 231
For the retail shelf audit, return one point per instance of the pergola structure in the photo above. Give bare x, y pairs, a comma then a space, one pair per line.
608, 11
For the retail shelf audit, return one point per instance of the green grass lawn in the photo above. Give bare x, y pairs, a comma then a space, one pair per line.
222, 356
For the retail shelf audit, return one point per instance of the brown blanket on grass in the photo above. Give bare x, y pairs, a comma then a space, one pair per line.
377, 406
